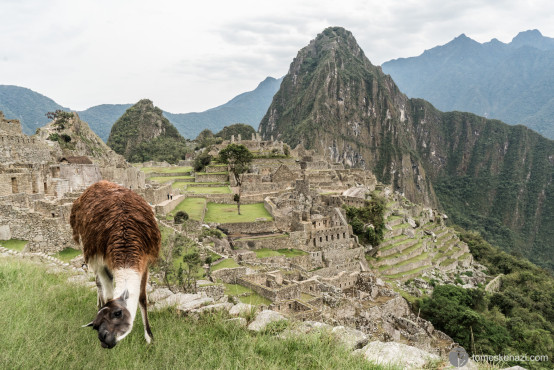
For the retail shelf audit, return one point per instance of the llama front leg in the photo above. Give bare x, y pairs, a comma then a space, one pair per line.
104, 283
143, 303
99, 294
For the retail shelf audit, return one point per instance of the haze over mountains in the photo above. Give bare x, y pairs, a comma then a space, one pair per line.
513, 82
29, 108
487, 175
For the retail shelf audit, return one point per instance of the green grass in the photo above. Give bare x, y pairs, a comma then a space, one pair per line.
292, 252
255, 299
236, 289
209, 190
192, 206
165, 169
264, 252
227, 263
227, 213
67, 254
163, 180
42, 327
14, 244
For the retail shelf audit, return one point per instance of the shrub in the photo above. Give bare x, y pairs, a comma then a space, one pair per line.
180, 217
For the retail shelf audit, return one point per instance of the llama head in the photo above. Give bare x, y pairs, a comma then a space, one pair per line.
113, 321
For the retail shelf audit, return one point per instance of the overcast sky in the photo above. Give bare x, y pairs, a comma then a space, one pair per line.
193, 55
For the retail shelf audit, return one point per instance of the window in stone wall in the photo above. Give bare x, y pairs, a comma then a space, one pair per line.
15, 188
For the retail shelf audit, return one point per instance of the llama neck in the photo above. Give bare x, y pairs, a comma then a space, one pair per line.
129, 279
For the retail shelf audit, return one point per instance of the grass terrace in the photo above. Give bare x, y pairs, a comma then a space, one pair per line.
193, 206
227, 263
209, 190
14, 244
46, 333
227, 213
163, 179
264, 252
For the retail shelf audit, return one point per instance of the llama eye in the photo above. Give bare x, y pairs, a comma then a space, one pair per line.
117, 314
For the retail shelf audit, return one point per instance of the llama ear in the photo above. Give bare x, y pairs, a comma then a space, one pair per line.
125, 295
87, 325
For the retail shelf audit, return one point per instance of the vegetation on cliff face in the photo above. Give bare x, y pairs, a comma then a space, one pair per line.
518, 318
244, 130
144, 134
368, 222
483, 173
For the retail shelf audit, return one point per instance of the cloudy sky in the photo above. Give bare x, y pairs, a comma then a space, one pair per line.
193, 55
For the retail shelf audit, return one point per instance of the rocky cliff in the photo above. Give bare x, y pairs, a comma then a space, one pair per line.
486, 174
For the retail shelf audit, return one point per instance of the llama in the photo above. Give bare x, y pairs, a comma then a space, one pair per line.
120, 237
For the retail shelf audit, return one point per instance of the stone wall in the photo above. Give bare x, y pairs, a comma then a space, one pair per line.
155, 195
229, 275
43, 233
79, 176
273, 294
129, 177
248, 227
273, 243
211, 177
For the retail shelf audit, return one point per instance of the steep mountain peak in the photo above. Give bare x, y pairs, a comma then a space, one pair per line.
142, 124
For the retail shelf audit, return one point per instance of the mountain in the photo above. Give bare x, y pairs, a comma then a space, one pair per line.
142, 134
248, 107
30, 108
488, 176
513, 82
27, 106
102, 117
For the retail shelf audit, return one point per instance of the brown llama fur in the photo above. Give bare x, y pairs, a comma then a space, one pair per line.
120, 238
116, 223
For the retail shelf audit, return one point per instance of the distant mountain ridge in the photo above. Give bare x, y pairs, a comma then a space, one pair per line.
513, 82
30, 107
248, 107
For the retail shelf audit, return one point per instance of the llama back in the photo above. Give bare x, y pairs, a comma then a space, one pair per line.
116, 224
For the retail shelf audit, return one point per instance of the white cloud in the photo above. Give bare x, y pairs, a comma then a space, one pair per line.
193, 56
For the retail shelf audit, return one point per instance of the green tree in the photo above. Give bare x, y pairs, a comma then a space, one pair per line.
201, 161
239, 158
192, 260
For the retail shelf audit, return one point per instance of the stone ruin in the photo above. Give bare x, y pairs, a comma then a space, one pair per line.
39, 180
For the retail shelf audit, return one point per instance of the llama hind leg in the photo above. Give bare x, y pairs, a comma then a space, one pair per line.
143, 303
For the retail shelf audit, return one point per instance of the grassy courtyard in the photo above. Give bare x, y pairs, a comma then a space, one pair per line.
43, 330
227, 213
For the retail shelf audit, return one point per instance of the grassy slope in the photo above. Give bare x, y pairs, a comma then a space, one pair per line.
226, 213
41, 329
